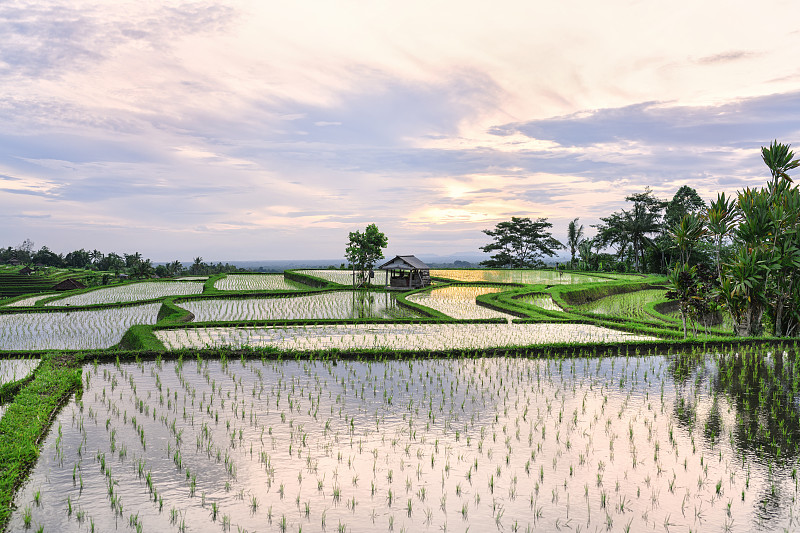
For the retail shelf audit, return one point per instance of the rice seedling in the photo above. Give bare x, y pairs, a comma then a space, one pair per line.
328, 305
72, 330
553, 439
256, 282
391, 336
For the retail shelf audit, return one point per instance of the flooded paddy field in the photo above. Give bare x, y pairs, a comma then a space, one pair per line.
132, 292
459, 302
72, 330
390, 336
257, 282
13, 370
629, 304
329, 305
678, 443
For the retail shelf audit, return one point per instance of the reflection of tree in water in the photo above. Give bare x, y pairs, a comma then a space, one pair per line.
764, 391
363, 304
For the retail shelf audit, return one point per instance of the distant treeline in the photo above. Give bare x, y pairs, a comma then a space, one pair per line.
133, 265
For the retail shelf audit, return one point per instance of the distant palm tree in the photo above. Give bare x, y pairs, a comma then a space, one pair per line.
574, 235
637, 224
198, 267
585, 251
174, 268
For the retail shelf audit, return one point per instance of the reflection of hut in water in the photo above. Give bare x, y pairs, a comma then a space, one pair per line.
406, 272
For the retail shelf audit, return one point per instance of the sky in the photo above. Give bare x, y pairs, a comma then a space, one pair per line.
255, 130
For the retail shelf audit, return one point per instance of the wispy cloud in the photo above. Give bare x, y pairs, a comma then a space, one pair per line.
256, 130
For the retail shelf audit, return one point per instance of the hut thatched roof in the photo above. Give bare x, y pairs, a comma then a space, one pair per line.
68, 285
404, 262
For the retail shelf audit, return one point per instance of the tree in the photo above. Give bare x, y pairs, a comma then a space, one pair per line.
585, 251
687, 233
720, 217
96, 256
46, 257
143, 269
520, 243
174, 268
632, 228
363, 251
779, 159
112, 261
685, 202
132, 260
198, 267
78, 259
574, 235
762, 277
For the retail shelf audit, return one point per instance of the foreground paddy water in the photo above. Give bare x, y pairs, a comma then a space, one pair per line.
489, 444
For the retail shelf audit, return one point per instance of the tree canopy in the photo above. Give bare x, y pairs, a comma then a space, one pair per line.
363, 251
520, 243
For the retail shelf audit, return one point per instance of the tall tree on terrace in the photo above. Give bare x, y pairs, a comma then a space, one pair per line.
686, 201
520, 243
629, 230
585, 251
641, 221
363, 251
611, 232
574, 236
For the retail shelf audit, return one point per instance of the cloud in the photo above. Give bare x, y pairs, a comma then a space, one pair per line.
743, 123
725, 57
47, 39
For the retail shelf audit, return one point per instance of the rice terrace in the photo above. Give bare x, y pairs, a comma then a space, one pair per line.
653, 389
509, 400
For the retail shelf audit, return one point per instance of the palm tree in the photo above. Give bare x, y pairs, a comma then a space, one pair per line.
96, 256
174, 268
198, 267
585, 251
779, 160
686, 233
720, 216
574, 235
637, 224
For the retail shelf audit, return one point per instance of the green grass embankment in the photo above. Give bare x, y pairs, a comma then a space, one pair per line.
28, 419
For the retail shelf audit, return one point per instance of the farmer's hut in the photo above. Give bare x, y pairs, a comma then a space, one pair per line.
27, 271
68, 285
406, 272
